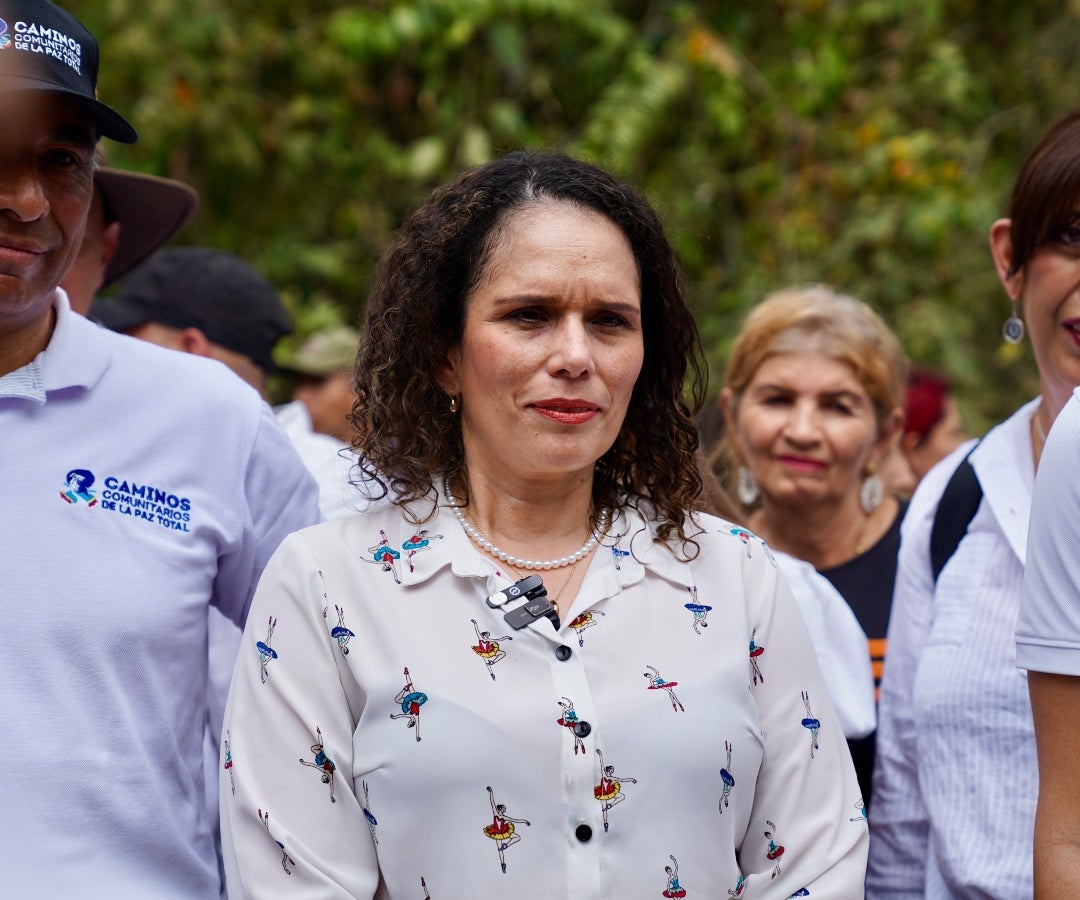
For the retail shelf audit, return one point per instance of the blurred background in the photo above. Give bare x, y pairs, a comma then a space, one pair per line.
868, 145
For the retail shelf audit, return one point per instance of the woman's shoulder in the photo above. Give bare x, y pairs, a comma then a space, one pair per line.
927, 496
380, 517
717, 536
713, 524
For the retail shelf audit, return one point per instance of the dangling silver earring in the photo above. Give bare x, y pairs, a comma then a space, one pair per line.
1013, 329
454, 404
746, 487
871, 493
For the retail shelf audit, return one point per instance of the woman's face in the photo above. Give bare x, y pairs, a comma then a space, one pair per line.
1048, 289
551, 348
806, 428
1050, 299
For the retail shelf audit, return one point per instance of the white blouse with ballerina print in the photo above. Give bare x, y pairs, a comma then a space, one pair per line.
390, 735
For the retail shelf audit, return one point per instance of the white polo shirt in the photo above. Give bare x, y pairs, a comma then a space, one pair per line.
140, 485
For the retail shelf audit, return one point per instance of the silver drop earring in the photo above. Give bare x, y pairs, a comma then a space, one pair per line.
746, 487
1013, 329
871, 493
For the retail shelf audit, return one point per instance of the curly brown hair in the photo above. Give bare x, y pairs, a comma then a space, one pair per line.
403, 427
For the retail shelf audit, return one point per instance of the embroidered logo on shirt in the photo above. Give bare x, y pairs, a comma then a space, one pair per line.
129, 498
77, 484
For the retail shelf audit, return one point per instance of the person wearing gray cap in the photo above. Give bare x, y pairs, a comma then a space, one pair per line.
208, 302
140, 488
202, 301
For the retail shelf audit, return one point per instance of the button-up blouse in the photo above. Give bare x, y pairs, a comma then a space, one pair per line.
390, 735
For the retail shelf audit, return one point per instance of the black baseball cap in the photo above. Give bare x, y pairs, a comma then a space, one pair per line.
200, 287
45, 48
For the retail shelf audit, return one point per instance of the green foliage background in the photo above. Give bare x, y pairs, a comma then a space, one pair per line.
867, 144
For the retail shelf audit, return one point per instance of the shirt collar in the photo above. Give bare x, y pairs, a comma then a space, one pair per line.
77, 355
1005, 464
628, 549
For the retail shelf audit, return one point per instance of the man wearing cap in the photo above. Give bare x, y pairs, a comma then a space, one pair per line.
324, 388
140, 488
211, 303
315, 420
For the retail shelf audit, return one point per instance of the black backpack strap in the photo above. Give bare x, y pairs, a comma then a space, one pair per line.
955, 510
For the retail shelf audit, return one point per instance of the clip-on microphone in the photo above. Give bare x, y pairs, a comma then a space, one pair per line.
536, 604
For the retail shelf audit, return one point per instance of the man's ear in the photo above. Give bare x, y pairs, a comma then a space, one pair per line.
110, 240
193, 341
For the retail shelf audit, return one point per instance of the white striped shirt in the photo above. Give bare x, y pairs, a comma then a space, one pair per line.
956, 781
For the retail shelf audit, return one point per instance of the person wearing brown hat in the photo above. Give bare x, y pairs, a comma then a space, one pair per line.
141, 488
131, 216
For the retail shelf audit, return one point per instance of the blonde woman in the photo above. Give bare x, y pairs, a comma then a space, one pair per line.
813, 401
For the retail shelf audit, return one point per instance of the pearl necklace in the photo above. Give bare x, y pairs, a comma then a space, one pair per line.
488, 546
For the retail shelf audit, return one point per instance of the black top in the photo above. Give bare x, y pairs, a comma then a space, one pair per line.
866, 583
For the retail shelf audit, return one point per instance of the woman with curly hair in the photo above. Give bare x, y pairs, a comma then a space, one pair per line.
522, 388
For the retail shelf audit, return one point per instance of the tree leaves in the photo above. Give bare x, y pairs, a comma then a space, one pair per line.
865, 144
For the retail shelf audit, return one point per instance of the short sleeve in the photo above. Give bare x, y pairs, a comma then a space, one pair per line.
279, 497
1048, 625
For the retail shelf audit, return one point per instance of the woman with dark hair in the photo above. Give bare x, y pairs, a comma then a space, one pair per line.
956, 779
537, 571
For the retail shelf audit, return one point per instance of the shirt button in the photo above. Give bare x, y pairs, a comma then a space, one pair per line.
583, 833
563, 653
582, 729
